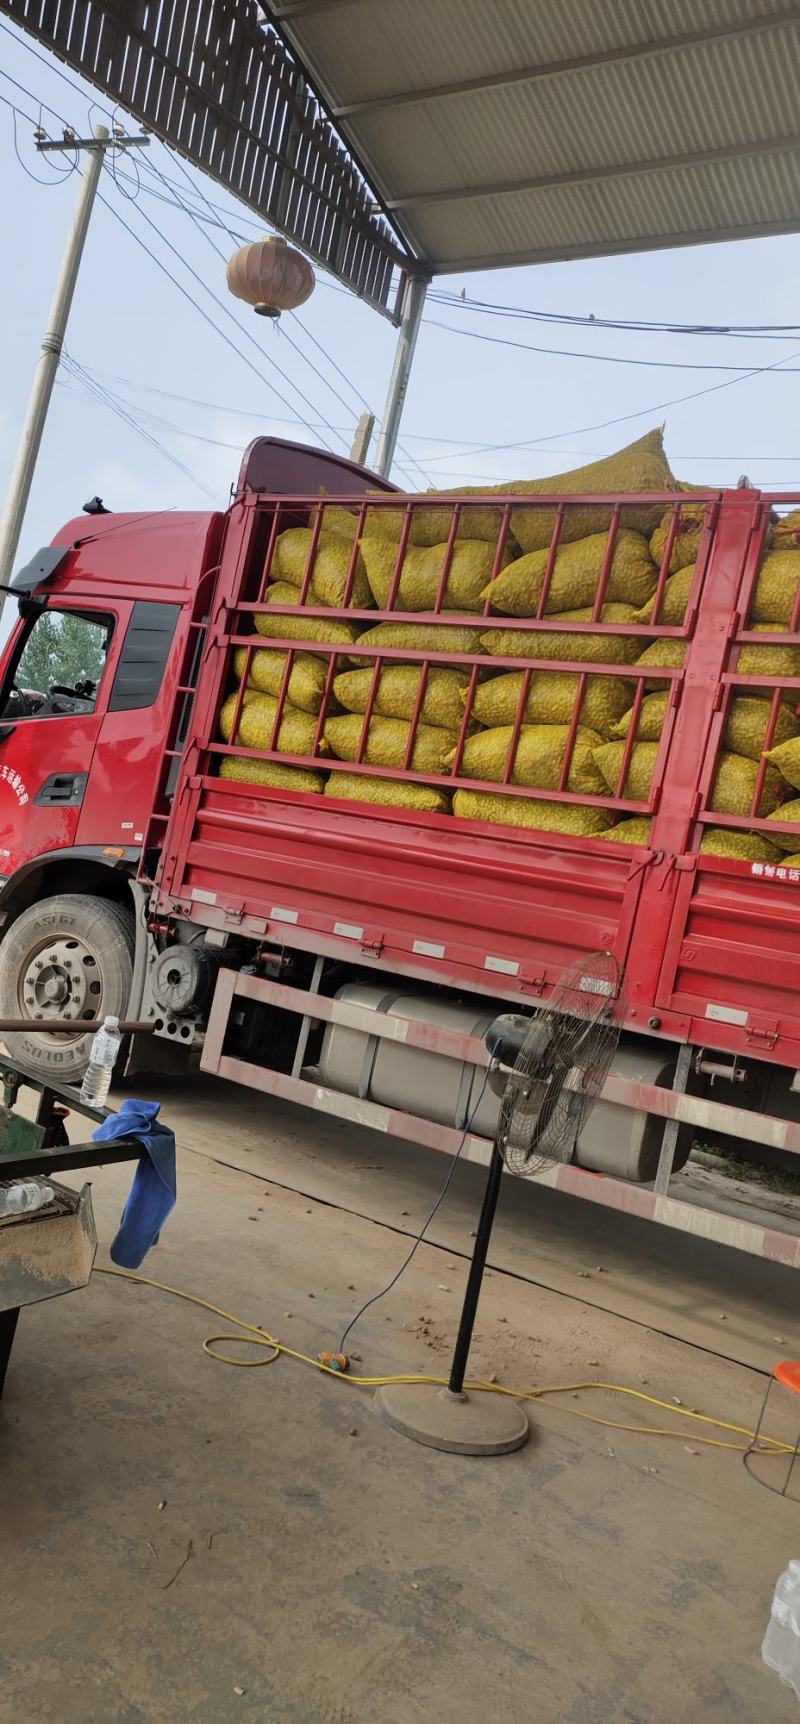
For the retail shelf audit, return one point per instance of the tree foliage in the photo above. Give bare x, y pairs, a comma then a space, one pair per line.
61, 648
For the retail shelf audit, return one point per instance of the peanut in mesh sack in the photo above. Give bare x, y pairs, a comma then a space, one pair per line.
634, 831
583, 648
565, 818
267, 667
296, 733
388, 792
786, 757
785, 533
686, 542
470, 568
674, 600
739, 846
398, 686
420, 637
538, 759
787, 814
387, 740
773, 660
551, 699
641, 767
271, 772
300, 627
576, 573
652, 714
734, 786
776, 588
330, 568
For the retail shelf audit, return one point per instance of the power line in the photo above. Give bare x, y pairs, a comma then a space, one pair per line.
99, 393
748, 331
596, 358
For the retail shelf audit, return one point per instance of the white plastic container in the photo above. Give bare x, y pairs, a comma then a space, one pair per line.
97, 1078
781, 1648
24, 1197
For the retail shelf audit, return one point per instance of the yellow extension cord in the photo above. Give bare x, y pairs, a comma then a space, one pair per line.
255, 1336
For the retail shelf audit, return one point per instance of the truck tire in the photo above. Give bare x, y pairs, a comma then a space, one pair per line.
67, 956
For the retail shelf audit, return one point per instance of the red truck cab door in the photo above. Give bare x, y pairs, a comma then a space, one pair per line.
52, 704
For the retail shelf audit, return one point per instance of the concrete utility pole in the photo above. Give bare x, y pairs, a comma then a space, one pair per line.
53, 340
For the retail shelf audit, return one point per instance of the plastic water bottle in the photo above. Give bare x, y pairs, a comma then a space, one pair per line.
97, 1078
24, 1196
781, 1648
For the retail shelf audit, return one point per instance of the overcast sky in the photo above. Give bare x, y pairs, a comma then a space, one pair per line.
138, 336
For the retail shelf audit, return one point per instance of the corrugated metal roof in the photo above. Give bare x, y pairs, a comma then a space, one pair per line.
524, 131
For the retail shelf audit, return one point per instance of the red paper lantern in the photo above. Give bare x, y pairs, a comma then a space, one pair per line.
271, 276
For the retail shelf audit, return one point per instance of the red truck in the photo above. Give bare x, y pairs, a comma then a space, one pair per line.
348, 955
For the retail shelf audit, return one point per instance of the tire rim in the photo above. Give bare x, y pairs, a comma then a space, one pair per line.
62, 979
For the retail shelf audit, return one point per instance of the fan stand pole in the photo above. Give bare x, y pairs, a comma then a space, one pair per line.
460, 1421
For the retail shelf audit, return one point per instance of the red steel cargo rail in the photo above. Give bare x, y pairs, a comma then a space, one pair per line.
710, 944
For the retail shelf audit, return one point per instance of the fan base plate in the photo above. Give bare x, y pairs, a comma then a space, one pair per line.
470, 1424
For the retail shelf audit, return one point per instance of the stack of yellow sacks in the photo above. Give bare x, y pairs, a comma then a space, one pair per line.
515, 592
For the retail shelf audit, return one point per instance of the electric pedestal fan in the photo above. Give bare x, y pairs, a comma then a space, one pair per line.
554, 1066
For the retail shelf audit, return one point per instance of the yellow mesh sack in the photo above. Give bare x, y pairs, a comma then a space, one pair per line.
228, 709
788, 861
635, 831
421, 637
741, 846
674, 599
786, 757
398, 684
734, 784
652, 714
666, 654
267, 666
575, 648
769, 660
641, 466
776, 588
470, 569
352, 787
296, 734
785, 533
551, 699
746, 728
330, 569
641, 765
576, 572
540, 752
300, 627
788, 812
271, 772
387, 740
686, 542
524, 811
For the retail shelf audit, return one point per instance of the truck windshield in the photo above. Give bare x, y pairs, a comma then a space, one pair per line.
60, 666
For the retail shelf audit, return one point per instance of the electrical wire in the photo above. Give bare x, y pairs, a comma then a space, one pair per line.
253, 1334
98, 393
656, 326
596, 358
428, 1219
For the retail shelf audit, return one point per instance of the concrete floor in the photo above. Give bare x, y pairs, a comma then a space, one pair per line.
309, 1555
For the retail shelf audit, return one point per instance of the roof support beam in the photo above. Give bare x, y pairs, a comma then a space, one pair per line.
554, 68
594, 176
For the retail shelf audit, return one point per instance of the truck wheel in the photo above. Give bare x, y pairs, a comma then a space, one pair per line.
67, 957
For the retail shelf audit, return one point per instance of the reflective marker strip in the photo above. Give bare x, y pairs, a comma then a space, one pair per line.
348, 930
726, 1015
201, 897
279, 915
503, 966
424, 949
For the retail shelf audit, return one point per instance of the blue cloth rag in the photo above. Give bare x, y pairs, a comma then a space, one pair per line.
154, 1189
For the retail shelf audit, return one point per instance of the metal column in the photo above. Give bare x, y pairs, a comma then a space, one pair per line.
413, 305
